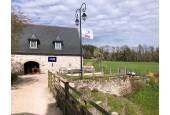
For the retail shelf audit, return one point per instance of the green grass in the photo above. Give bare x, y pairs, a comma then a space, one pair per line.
130, 108
115, 104
147, 99
140, 67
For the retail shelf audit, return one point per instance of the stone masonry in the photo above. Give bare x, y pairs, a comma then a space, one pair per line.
62, 64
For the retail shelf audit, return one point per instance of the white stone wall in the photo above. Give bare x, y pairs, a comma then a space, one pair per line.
62, 63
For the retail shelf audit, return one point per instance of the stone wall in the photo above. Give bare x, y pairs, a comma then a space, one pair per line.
62, 64
116, 85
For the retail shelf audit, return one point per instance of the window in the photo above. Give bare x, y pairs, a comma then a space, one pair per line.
58, 45
33, 44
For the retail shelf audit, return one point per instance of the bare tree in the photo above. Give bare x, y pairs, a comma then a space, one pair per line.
18, 22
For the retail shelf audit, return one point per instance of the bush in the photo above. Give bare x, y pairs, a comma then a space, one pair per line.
94, 90
14, 76
136, 85
153, 80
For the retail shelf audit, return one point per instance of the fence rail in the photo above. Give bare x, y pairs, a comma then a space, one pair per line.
74, 74
68, 104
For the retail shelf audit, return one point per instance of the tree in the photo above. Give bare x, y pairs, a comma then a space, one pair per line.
19, 21
90, 48
87, 54
157, 54
98, 55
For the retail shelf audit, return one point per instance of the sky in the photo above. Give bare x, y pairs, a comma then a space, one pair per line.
114, 22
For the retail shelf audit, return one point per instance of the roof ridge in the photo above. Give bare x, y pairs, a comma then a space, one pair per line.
53, 26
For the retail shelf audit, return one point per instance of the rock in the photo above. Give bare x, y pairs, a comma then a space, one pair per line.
136, 77
98, 102
115, 113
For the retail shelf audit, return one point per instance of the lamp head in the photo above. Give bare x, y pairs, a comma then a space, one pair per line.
84, 16
77, 22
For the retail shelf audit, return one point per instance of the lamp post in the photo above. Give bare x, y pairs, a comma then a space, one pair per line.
77, 22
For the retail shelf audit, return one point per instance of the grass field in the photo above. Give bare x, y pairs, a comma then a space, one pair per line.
141, 68
148, 99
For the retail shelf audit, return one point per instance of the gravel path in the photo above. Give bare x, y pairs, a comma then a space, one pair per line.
30, 96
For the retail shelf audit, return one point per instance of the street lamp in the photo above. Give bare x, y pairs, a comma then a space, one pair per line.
77, 22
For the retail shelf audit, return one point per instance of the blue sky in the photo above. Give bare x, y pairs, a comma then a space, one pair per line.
114, 22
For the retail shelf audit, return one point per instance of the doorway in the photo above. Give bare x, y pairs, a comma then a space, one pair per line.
31, 67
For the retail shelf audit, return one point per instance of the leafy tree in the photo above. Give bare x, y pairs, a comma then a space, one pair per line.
87, 54
98, 55
18, 22
90, 48
141, 53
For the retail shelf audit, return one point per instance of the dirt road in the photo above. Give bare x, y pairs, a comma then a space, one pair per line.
30, 96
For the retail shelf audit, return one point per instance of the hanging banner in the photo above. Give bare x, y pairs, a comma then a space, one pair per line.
86, 33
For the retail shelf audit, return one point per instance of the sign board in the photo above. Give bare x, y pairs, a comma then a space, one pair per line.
52, 59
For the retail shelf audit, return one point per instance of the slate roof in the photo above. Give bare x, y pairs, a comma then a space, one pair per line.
46, 36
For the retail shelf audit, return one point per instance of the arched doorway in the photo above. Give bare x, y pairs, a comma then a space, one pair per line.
31, 67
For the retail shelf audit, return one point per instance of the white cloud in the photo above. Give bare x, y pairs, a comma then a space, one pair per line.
115, 22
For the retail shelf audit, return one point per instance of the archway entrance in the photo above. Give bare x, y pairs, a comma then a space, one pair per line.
31, 67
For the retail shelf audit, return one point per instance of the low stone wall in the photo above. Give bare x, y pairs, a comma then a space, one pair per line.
63, 63
115, 85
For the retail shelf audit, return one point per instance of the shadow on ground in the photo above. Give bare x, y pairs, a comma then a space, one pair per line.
25, 113
51, 110
23, 81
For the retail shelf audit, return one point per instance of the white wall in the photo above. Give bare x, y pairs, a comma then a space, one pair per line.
63, 62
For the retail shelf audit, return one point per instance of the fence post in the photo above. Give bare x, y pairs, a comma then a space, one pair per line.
110, 71
93, 73
66, 96
125, 70
118, 70
83, 74
83, 103
71, 74
102, 71
66, 89
48, 78
54, 81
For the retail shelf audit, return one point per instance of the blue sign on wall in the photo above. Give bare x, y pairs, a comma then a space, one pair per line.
52, 59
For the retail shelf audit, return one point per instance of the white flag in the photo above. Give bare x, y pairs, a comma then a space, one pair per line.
87, 33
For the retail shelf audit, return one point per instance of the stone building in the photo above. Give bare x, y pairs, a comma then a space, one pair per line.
42, 48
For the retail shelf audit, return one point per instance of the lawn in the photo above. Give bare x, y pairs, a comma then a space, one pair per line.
141, 68
148, 99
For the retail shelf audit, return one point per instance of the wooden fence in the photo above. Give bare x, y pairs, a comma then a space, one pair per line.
68, 104
99, 73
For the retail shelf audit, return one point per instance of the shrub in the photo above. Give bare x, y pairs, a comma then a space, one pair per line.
14, 76
94, 90
153, 80
136, 85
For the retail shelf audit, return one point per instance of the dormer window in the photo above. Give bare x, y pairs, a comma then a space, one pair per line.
34, 42
58, 45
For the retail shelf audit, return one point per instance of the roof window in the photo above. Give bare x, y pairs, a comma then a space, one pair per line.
34, 41
58, 43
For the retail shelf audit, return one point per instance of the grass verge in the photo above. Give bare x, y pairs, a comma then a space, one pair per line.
147, 99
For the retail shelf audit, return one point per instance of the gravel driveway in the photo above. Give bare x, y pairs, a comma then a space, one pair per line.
30, 96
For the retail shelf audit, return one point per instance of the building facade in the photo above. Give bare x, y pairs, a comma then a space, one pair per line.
42, 48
